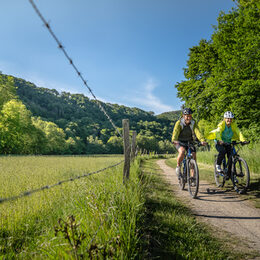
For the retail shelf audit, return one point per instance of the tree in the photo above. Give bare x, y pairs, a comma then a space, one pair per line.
7, 89
17, 133
223, 73
148, 143
95, 146
115, 145
55, 136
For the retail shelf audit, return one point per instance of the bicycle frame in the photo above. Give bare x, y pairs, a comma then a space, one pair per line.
228, 164
187, 156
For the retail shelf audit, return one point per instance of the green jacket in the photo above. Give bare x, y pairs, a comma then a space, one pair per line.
194, 128
217, 133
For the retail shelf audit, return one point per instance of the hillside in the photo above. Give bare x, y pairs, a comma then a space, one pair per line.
172, 115
82, 121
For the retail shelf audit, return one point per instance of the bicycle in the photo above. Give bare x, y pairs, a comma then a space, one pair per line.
235, 169
189, 164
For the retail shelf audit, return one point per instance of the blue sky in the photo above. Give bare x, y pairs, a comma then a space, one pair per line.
131, 52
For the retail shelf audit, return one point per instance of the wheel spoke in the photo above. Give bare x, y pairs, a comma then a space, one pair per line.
193, 178
241, 175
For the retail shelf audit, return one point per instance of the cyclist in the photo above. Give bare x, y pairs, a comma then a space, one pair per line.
185, 130
226, 132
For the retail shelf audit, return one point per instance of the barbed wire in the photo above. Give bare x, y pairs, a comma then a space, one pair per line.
95, 234
61, 47
28, 193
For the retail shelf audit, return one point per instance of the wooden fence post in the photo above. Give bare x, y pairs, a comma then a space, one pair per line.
133, 146
127, 149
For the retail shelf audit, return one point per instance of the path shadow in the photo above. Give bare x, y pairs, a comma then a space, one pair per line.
254, 188
226, 217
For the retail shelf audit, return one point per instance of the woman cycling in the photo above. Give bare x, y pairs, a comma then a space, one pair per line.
226, 132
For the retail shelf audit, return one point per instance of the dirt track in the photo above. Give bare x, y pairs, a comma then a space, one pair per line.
225, 210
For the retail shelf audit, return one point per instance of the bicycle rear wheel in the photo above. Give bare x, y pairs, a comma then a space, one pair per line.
219, 176
240, 175
193, 178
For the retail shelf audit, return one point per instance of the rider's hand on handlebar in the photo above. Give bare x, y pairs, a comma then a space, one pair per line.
204, 143
245, 142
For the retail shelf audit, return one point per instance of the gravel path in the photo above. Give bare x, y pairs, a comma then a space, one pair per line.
225, 210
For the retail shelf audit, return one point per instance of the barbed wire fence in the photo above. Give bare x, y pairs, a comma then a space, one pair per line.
61, 47
129, 149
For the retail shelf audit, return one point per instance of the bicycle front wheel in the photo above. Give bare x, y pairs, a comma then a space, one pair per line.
193, 178
181, 179
240, 175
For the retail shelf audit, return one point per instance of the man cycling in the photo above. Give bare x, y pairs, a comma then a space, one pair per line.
226, 132
185, 130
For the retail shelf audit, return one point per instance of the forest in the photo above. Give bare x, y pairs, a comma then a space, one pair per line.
36, 120
222, 74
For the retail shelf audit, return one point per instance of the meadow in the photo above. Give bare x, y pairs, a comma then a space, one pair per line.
95, 217
88, 217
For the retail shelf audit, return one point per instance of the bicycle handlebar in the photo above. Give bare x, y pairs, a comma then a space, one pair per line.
236, 143
190, 143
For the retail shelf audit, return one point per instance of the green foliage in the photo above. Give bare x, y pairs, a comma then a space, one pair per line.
7, 89
94, 145
223, 73
17, 133
66, 123
148, 143
172, 116
54, 137
115, 145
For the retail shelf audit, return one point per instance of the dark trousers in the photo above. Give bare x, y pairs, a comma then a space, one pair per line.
222, 150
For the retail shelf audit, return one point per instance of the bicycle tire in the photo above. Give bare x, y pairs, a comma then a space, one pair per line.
193, 181
219, 176
240, 175
181, 179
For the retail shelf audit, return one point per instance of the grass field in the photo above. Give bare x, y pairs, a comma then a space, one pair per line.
96, 217
89, 217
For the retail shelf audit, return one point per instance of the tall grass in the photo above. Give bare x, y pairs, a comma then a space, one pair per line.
90, 217
251, 153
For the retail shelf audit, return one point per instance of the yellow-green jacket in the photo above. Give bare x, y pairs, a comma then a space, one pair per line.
217, 133
194, 128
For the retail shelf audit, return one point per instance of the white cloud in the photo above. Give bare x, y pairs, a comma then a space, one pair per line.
147, 99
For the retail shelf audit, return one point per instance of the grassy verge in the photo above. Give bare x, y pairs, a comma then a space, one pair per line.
169, 229
94, 217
